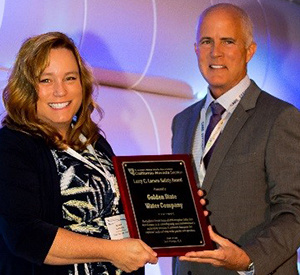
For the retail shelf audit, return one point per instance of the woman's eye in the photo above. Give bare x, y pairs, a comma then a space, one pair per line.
45, 80
70, 78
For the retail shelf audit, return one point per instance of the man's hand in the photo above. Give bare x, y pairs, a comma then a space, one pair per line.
202, 201
228, 255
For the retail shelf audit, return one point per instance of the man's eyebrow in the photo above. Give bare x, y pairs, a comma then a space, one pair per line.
204, 38
228, 38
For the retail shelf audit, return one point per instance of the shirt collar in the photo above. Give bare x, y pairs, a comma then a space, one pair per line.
226, 99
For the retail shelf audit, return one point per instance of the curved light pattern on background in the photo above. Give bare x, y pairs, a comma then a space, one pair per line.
144, 39
2, 5
152, 47
127, 43
267, 37
283, 75
85, 16
154, 124
23, 19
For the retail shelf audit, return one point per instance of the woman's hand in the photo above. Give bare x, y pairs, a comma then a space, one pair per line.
131, 254
127, 254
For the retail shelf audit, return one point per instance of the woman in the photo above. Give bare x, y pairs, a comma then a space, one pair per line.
57, 183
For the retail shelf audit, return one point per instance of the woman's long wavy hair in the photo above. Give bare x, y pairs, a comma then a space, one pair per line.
20, 95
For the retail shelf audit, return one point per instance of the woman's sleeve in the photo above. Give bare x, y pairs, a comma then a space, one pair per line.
103, 143
24, 232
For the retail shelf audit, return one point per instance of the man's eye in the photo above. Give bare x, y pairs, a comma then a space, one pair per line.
228, 42
205, 42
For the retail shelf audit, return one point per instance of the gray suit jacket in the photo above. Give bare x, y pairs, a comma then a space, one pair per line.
252, 181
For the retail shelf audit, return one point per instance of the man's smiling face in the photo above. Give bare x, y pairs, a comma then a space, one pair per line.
221, 51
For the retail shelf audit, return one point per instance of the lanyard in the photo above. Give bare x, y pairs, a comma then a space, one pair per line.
215, 133
109, 177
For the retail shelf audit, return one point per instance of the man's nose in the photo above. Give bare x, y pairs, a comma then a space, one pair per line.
216, 50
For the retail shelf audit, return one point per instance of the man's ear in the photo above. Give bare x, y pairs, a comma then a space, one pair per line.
251, 51
196, 48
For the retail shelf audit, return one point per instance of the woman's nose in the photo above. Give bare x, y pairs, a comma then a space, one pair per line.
59, 89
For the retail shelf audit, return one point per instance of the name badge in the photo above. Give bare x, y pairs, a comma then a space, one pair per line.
117, 227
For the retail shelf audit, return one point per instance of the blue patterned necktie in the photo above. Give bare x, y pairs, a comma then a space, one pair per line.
217, 111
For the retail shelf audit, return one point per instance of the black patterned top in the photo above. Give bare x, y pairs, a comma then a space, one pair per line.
88, 196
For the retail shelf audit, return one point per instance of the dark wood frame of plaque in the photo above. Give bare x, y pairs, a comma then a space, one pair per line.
163, 209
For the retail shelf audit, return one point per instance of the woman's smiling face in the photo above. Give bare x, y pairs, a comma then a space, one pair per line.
59, 90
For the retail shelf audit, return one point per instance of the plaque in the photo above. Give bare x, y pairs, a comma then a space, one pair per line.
161, 204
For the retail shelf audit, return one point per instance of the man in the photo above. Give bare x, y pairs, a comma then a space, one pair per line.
252, 180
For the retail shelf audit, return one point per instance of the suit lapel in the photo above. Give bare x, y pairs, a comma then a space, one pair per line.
193, 122
230, 133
